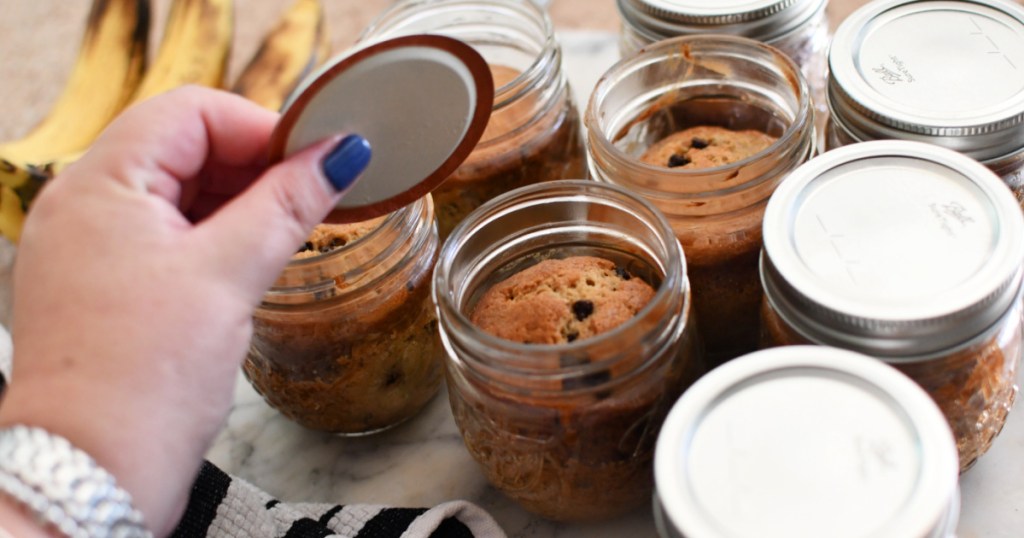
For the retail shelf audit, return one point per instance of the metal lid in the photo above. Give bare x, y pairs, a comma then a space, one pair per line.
763, 20
892, 248
946, 72
806, 441
422, 102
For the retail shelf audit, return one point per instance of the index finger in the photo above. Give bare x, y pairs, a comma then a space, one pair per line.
185, 135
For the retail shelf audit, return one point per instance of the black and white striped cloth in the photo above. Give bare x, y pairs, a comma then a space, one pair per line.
226, 506
222, 506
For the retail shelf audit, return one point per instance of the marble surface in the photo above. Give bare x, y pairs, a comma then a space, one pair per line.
423, 462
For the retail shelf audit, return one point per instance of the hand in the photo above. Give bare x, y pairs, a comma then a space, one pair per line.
137, 275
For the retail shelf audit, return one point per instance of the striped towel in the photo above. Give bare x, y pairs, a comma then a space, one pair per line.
226, 506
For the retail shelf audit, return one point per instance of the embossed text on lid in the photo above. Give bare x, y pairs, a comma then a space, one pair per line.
806, 441
953, 70
893, 247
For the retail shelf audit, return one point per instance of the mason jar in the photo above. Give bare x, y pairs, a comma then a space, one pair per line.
799, 28
724, 82
806, 441
346, 340
950, 73
566, 429
534, 133
910, 253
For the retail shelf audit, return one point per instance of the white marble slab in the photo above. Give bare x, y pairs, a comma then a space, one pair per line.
423, 462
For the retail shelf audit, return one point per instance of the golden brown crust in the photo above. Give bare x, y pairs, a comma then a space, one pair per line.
559, 301
706, 147
327, 237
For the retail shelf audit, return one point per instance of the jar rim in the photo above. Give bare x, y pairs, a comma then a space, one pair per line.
672, 280
801, 125
392, 17
764, 20
407, 221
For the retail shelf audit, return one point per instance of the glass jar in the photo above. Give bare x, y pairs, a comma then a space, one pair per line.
799, 28
346, 340
716, 213
911, 253
534, 133
566, 430
949, 73
806, 441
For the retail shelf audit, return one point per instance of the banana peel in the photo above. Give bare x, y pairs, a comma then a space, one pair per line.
293, 49
106, 73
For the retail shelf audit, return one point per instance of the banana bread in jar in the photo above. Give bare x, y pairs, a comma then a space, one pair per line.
705, 127
949, 73
564, 310
910, 253
534, 133
346, 340
799, 28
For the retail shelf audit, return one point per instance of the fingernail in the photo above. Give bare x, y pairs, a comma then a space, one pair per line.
343, 164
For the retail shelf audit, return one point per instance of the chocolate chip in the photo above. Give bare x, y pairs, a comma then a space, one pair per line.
338, 242
583, 309
623, 274
678, 160
698, 143
394, 376
571, 337
305, 248
595, 379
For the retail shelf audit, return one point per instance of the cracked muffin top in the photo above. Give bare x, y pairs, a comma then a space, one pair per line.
560, 301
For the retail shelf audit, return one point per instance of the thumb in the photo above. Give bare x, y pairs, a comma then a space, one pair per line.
254, 235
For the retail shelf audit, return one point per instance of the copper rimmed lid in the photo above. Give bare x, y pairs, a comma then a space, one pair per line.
946, 72
806, 441
422, 102
892, 248
763, 20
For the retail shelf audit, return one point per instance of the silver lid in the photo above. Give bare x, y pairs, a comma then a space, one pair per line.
892, 248
763, 20
946, 72
806, 441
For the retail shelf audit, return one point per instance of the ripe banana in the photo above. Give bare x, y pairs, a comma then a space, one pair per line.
292, 50
19, 184
194, 49
106, 75
107, 72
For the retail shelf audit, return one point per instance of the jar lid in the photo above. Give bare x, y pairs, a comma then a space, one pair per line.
422, 102
892, 248
806, 441
762, 20
946, 72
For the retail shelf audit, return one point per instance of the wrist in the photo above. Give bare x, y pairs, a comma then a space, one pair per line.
151, 473
63, 487
15, 521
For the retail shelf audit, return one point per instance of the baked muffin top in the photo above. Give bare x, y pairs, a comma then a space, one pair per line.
559, 301
705, 147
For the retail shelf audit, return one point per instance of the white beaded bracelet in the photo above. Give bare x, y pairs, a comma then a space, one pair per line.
64, 487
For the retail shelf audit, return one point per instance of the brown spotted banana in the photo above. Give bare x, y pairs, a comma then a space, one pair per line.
106, 74
293, 49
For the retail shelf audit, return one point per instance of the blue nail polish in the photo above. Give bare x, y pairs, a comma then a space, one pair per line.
343, 164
